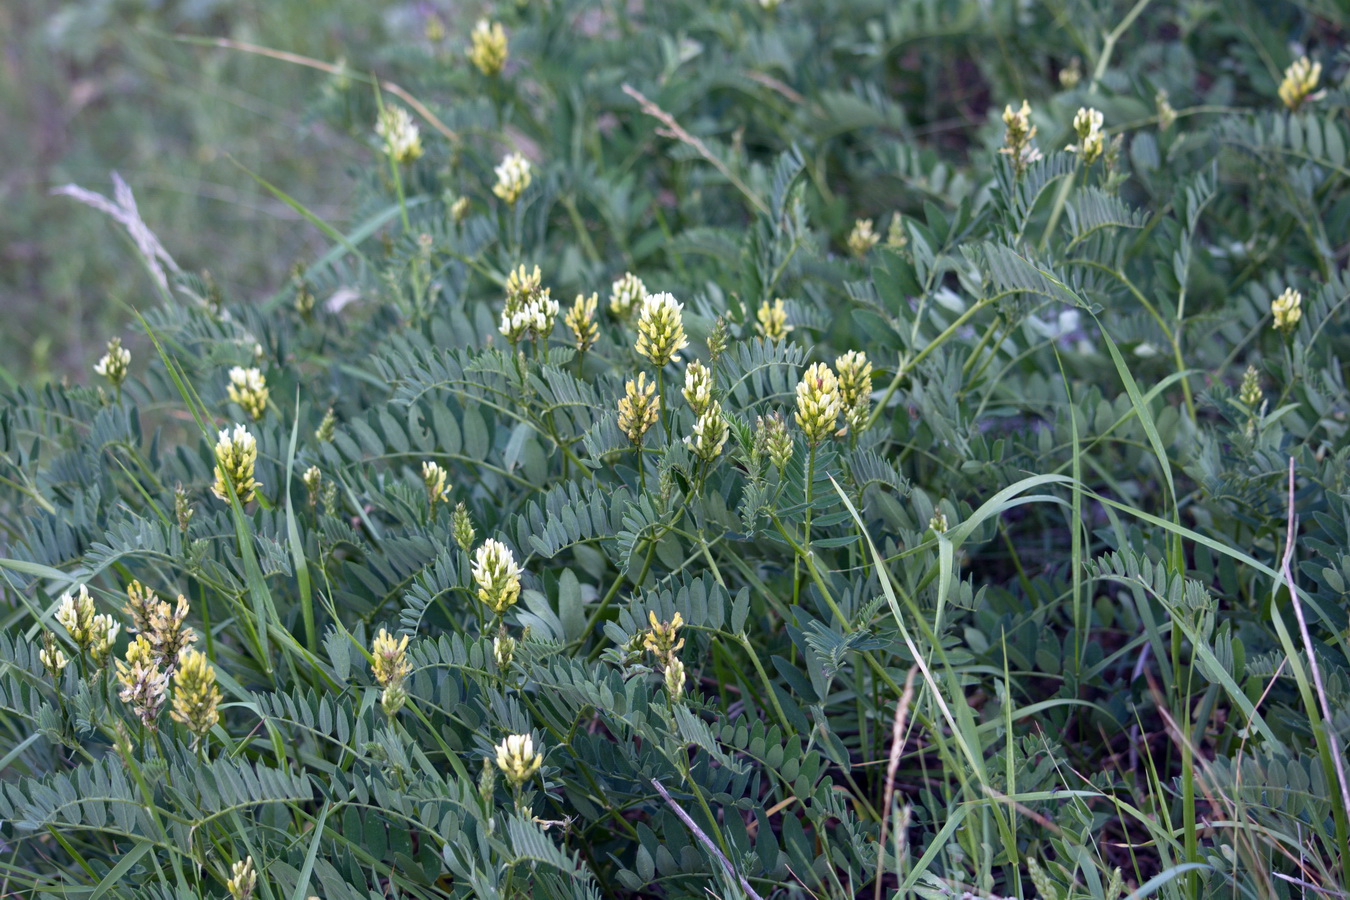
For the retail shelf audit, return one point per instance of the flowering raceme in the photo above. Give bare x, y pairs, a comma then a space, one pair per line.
661, 329
513, 177
497, 576
248, 388
818, 403
402, 141
488, 47
236, 457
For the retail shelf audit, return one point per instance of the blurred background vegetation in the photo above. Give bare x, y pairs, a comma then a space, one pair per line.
95, 86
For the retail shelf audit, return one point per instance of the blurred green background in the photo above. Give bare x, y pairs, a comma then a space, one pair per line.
94, 86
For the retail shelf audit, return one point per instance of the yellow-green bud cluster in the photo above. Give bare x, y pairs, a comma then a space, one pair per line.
818, 403
243, 879
674, 678
718, 339
182, 507
327, 426
1167, 116
895, 232
389, 664
402, 141
248, 388
236, 457
459, 210
503, 650
663, 639
1300, 83
661, 329
195, 695
513, 177
75, 612
938, 522
626, 295
581, 320
461, 526
638, 408
1018, 137
1087, 123
862, 238
497, 576
1070, 75
1287, 310
313, 479
772, 440
114, 364
517, 758
771, 320
488, 47
1250, 394
855, 388
143, 682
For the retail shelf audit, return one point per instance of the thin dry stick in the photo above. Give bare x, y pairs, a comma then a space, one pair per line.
674, 130
893, 766
1332, 744
705, 841
332, 69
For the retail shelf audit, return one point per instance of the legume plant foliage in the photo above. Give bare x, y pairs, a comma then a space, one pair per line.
937, 486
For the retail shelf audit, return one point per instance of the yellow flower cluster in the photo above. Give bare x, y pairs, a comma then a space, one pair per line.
518, 759
243, 879
772, 440
581, 320
855, 388
1287, 310
1018, 137
236, 457
195, 695
771, 321
1300, 83
402, 141
488, 47
114, 364
1087, 123
818, 403
497, 576
862, 238
530, 309
143, 681
248, 388
389, 664
638, 408
437, 482
513, 177
626, 294
661, 329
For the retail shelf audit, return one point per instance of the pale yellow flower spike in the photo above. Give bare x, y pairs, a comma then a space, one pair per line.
518, 759
488, 47
818, 403
1300, 83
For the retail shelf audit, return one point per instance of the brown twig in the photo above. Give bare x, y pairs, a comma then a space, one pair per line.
676, 131
893, 766
332, 69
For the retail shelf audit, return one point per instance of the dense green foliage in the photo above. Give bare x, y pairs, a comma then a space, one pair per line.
1018, 616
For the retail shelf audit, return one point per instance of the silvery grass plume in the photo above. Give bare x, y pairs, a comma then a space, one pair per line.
123, 209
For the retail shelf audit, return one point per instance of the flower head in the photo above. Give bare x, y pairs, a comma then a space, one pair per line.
103, 633
402, 142
113, 365
895, 232
248, 388
626, 295
698, 386
581, 319
143, 682
1287, 310
313, 480
389, 664
51, 655
195, 695
327, 426
862, 238
771, 320
182, 507
488, 47
503, 650
75, 612
497, 576
710, 433
236, 456
518, 759
437, 482
674, 678
1300, 82
168, 633
513, 177
243, 879
1167, 116
1017, 139
1087, 124
661, 328
855, 387
663, 640
818, 403
638, 408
